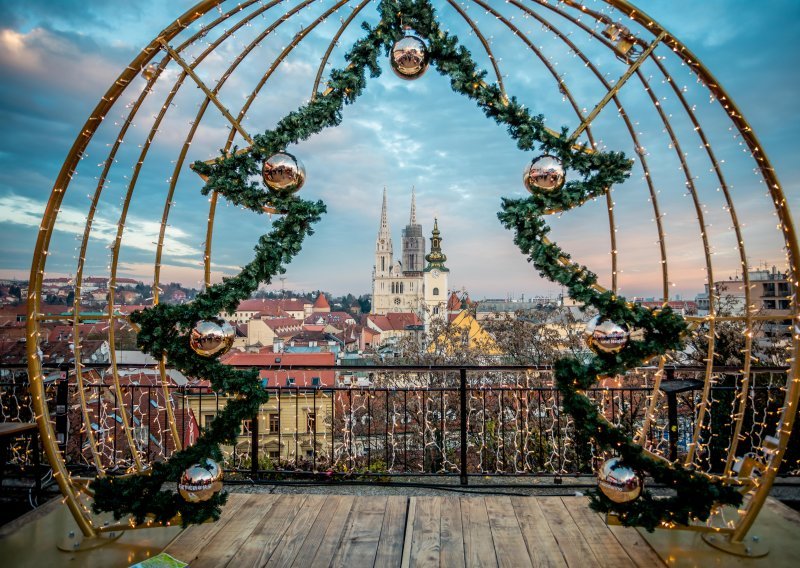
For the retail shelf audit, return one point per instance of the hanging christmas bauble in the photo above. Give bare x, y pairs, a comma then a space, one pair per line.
201, 481
283, 173
605, 336
409, 57
209, 338
619, 482
545, 173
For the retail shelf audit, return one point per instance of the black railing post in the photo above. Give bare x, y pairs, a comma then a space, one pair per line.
462, 393
254, 445
62, 404
672, 417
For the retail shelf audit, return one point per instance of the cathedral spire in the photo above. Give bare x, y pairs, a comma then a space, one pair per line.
383, 244
384, 216
413, 218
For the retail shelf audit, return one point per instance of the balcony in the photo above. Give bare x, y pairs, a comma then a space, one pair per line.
471, 429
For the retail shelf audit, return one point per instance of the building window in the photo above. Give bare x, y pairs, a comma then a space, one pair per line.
436, 291
314, 381
312, 421
274, 422
290, 381
208, 419
436, 311
274, 455
247, 427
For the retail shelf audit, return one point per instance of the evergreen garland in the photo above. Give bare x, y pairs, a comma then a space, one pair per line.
231, 175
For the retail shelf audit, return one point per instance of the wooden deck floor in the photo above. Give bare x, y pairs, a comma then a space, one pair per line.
323, 530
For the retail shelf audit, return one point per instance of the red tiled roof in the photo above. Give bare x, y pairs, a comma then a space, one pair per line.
280, 323
453, 303
270, 305
398, 321
322, 302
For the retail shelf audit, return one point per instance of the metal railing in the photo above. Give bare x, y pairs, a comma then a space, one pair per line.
405, 422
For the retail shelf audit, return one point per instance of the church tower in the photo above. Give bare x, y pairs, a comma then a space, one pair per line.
435, 280
413, 243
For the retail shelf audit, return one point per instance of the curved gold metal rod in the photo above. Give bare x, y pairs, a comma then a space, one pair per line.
745, 383
324, 61
118, 240
484, 43
641, 435
626, 119
662, 241
698, 207
177, 441
273, 66
704, 234
789, 408
195, 124
179, 163
60, 474
112, 282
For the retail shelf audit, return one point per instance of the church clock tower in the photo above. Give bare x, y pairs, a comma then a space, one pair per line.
435, 280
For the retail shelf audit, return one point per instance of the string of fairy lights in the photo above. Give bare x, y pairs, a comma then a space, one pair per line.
558, 441
527, 434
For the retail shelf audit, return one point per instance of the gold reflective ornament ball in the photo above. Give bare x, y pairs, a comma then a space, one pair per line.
150, 71
605, 336
544, 174
201, 481
409, 58
209, 338
619, 482
284, 173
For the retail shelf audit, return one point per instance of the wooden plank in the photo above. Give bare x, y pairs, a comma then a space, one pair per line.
412, 509
478, 543
316, 534
451, 534
189, 544
637, 548
542, 546
359, 544
263, 540
390, 546
297, 533
509, 545
594, 530
425, 545
573, 546
219, 550
332, 538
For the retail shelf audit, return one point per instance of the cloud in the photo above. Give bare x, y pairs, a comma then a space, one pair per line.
140, 234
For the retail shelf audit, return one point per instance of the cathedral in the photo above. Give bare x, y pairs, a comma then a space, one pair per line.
418, 282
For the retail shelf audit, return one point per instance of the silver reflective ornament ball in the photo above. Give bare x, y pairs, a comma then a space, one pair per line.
201, 481
209, 338
605, 336
284, 173
545, 173
619, 482
150, 71
409, 57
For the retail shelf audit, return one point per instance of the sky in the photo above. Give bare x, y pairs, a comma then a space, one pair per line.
57, 58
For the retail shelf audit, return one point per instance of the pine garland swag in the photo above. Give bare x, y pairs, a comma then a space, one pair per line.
231, 176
